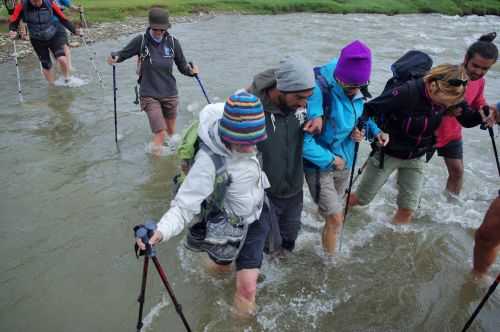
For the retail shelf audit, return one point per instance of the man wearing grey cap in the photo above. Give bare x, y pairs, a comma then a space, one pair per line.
283, 92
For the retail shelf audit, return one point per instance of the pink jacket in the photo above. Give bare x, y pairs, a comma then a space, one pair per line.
450, 129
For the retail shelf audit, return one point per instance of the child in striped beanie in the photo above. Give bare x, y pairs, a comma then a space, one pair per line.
243, 121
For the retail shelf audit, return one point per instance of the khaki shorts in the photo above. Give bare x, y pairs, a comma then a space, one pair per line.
159, 110
410, 179
329, 192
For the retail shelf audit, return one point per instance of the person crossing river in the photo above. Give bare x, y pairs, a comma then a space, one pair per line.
414, 111
157, 50
44, 33
66, 4
328, 157
479, 58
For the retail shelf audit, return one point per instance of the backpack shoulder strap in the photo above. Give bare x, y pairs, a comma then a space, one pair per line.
222, 178
26, 3
173, 45
414, 97
48, 3
143, 51
325, 91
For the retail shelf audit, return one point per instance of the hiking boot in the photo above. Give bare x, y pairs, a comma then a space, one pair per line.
195, 239
221, 231
220, 254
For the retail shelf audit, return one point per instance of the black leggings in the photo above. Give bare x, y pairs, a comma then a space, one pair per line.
55, 44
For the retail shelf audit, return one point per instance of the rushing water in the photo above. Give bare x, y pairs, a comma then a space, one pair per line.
69, 198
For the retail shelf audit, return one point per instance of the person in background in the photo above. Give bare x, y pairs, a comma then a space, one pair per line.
66, 4
158, 50
45, 37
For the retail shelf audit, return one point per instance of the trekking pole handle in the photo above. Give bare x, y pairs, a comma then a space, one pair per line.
361, 123
145, 232
192, 65
486, 111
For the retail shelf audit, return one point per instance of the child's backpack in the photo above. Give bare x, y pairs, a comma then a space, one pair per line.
186, 152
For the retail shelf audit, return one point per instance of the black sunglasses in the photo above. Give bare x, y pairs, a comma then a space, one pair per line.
453, 81
161, 30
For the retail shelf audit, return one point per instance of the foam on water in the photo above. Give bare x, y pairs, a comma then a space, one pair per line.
154, 313
74, 82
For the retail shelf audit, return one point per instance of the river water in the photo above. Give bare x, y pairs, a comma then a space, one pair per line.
69, 198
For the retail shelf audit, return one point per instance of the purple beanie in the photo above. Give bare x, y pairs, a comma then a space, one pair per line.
355, 64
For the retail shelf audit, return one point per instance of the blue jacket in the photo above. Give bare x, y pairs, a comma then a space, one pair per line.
335, 139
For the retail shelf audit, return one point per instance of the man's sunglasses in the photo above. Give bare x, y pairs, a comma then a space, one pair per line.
160, 30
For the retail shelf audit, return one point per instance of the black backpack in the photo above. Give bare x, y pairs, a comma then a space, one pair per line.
411, 66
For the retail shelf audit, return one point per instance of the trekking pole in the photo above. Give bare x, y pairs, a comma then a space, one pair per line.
19, 90
114, 103
144, 232
360, 125
91, 54
136, 91
483, 301
201, 85
358, 174
486, 110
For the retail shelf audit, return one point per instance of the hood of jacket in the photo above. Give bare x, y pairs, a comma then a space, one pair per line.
208, 130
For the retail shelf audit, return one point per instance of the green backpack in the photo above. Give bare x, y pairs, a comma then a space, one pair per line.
186, 152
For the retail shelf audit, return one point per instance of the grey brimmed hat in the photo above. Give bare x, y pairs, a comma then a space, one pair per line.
158, 19
294, 74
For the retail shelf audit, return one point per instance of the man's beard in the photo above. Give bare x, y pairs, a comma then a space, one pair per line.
283, 106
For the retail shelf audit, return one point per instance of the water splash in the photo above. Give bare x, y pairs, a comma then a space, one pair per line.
159, 150
153, 313
73, 82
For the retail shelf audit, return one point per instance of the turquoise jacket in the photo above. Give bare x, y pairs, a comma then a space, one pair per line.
335, 138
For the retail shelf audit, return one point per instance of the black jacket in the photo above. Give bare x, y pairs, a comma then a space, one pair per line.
407, 114
282, 150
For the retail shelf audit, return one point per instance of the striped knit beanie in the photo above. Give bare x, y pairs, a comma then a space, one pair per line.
243, 120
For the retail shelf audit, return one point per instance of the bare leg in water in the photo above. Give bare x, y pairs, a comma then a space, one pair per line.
455, 175
487, 240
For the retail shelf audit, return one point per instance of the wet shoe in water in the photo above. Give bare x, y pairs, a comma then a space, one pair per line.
172, 143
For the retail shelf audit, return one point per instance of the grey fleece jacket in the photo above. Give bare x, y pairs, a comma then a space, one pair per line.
157, 79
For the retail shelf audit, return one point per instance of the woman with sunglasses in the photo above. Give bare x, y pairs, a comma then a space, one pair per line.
328, 157
413, 112
157, 51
